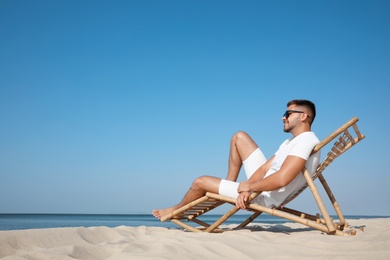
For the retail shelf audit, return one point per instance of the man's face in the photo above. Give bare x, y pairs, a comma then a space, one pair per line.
291, 118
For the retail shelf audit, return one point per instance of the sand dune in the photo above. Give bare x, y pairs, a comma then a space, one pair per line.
277, 241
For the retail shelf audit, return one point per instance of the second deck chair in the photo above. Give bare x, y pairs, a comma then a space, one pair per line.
323, 222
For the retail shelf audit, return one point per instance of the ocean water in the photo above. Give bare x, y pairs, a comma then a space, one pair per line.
36, 221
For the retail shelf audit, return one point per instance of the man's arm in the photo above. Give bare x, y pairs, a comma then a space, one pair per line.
290, 168
260, 173
257, 176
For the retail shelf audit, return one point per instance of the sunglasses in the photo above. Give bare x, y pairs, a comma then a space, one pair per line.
288, 112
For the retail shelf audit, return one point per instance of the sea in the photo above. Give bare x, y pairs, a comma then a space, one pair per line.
38, 221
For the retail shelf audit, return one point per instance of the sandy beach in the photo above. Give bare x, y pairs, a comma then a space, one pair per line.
272, 241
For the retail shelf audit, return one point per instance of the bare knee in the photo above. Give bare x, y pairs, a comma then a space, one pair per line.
199, 183
240, 137
206, 184
243, 144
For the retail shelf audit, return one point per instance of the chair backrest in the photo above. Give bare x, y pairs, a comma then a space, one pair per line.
344, 141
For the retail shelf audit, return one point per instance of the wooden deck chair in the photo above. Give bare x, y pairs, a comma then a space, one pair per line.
323, 222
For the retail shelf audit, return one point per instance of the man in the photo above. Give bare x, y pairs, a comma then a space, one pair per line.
277, 178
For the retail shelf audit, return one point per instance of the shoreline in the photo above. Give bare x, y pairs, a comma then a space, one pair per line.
280, 241
18, 221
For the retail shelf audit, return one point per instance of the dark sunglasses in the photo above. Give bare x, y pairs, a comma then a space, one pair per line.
288, 112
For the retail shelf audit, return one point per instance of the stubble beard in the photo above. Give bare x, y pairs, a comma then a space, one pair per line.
287, 129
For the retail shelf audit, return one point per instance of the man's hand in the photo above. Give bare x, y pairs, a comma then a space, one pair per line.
242, 199
243, 187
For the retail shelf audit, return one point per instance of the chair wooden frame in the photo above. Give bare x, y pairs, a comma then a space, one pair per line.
322, 222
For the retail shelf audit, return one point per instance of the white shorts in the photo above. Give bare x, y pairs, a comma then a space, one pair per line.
251, 164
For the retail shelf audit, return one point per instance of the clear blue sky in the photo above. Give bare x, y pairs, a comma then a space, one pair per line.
116, 106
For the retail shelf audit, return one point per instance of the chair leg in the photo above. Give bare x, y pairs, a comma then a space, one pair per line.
320, 202
217, 223
332, 198
250, 219
185, 226
301, 214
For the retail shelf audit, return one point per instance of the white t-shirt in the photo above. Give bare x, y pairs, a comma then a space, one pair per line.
301, 146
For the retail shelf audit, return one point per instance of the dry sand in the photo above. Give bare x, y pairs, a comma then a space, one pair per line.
276, 241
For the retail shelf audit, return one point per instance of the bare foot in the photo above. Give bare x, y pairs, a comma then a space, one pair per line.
159, 213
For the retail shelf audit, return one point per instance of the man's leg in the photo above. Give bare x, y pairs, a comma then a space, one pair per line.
241, 146
198, 189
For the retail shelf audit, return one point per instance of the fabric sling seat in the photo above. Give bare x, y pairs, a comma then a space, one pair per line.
344, 138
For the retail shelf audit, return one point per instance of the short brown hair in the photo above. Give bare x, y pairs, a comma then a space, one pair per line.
305, 103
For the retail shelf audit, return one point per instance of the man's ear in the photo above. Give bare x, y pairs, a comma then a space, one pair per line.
304, 117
